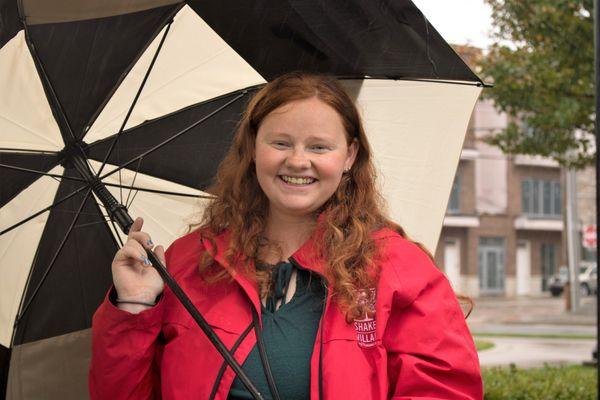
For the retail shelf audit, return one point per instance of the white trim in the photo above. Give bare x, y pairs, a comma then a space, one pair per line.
461, 221
535, 161
469, 154
525, 223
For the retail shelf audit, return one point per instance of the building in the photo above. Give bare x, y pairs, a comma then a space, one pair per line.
503, 230
503, 233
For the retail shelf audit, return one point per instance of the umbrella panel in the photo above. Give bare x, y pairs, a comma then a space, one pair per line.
74, 284
192, 158
13, 182
353, 38
83, 63
9, 21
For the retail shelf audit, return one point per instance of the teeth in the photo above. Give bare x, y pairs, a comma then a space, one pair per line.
297, 181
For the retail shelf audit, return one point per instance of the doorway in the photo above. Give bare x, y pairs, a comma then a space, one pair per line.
523, 268
491, 261
452, 262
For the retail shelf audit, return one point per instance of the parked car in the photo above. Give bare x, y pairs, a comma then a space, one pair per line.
557, 282
588, 273
587, 279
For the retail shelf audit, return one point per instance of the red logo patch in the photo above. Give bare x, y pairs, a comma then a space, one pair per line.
366, 327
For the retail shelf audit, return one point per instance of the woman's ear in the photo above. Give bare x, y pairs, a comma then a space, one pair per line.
351, 157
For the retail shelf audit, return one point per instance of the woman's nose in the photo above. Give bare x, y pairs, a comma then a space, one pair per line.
298, 159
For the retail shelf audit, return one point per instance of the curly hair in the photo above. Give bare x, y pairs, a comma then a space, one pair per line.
349, 216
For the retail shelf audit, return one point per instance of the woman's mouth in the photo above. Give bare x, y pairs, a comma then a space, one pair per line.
299, 181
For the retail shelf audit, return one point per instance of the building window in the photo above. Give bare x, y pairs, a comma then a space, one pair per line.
541, 198
548, 258
454, 201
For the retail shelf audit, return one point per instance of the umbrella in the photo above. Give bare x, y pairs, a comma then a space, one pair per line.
148, 93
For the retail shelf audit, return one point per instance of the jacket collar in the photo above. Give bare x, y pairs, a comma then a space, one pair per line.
306, 257
221, 241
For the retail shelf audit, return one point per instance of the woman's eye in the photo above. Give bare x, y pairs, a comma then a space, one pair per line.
280, 145
319, 147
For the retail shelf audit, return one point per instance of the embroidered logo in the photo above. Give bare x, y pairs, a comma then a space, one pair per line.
366, 327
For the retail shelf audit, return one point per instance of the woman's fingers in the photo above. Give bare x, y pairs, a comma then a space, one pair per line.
143, 238
137, 225
160, 253
133, 251
138, 244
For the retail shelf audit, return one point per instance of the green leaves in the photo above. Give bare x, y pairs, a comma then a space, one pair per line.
543, 71
557, 383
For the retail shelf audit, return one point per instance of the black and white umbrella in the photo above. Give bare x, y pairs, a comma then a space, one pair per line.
150, 92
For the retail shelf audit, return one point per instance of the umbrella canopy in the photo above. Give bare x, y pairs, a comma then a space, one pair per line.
150, 92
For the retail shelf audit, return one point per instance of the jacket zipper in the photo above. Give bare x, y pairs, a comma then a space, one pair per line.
263, 357
321, 325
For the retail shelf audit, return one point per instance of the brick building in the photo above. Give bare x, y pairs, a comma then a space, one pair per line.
503, 230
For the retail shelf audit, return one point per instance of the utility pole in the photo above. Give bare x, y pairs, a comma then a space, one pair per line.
572, 238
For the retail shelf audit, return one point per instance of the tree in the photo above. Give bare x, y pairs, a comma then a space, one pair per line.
542, 67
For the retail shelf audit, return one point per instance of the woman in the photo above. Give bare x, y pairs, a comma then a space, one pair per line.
297, 241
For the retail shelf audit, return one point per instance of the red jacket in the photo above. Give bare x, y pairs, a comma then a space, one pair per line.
422, 349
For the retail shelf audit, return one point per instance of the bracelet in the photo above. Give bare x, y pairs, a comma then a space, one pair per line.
141, 303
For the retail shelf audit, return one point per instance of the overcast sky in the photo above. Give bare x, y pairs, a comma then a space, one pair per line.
459, 21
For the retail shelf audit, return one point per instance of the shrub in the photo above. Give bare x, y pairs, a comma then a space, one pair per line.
556, 383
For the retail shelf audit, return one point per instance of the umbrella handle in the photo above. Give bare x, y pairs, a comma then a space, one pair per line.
118, 213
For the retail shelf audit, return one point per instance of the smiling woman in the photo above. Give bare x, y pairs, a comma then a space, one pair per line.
298, 269
302, 150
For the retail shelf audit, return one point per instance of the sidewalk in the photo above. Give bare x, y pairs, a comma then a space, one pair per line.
532, 315
534, 331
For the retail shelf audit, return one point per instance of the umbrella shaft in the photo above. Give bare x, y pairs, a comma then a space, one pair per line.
118, 213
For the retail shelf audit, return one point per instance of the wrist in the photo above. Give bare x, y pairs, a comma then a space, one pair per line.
142, 297
133, 303
133, 308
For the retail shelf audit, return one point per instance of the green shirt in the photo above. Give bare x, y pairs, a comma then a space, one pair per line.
289, 334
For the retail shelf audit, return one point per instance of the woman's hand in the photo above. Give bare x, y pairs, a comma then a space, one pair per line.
133, 276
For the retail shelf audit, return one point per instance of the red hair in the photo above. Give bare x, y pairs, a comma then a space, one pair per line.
352, 213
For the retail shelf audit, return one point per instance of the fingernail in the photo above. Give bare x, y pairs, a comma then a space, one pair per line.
150, 242
145, 260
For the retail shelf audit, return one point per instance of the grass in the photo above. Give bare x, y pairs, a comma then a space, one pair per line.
536, 335
482, 345
556, 383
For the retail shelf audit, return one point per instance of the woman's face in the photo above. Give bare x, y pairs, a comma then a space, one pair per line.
301, 153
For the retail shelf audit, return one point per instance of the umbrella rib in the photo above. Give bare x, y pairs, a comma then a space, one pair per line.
141, 189
135, 100
34, 171
104, 221
54, 258
10, 228
127, 204
427, 46
185, 130
48, 84
14, 150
